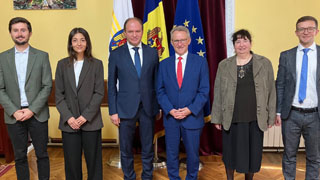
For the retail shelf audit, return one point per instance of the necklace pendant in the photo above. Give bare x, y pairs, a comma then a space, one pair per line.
241, 72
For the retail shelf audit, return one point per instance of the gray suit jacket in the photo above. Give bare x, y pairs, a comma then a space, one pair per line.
85, 100
286, 81
37, 87
225, 90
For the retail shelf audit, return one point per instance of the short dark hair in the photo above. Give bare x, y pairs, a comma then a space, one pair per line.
87, 52
19, 20
241, 34
307, 18
129, 19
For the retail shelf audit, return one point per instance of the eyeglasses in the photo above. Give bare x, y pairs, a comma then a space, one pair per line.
177, 41
308, 29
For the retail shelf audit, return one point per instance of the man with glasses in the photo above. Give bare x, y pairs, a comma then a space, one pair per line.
298, 93
182, 91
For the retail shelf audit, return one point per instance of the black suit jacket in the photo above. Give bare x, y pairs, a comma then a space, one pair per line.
132, 90
85, 100
286, 81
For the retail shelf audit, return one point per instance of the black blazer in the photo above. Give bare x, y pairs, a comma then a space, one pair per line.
286, 81
85, 100
132, 90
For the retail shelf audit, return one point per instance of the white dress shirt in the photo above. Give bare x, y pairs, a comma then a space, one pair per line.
183, 61
311, 100
132, 52
77, 69
21, 61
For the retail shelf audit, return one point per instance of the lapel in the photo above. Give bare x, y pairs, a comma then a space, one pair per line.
145, 55
71, 76
292, 58
318, 63
128, 61
256, 65
12, 64
85, 68
171, 69
232, 67
188, 69
31, 60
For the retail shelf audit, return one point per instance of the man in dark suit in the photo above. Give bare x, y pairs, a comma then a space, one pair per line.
182, 91
135, 66
298, 97
25, 84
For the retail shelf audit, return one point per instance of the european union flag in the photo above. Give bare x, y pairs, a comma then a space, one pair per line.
188, 15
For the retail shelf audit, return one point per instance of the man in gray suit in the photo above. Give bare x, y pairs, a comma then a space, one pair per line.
25, 84
298, 97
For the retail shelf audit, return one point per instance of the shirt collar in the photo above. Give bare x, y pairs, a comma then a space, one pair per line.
26, 51
184, 56
130, 46
312, 47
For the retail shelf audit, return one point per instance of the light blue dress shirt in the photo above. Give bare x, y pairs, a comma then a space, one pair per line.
311, 100
21, 60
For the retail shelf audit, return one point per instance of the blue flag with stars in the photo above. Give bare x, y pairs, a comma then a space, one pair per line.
188, 15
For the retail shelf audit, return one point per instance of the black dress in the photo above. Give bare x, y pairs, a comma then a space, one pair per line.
242, 144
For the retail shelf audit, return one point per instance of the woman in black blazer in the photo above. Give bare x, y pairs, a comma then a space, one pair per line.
79, 90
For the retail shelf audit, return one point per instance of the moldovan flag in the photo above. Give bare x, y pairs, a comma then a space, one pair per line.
122, 10
154, 28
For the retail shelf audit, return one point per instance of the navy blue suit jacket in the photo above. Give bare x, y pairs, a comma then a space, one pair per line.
286, 81
193, 94
132, 90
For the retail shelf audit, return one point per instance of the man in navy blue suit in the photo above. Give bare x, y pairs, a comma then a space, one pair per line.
182, 91
134, 66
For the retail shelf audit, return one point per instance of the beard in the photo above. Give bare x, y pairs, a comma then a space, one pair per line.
20, 43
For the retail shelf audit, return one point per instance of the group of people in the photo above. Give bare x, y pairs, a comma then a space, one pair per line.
247, 101
140, 90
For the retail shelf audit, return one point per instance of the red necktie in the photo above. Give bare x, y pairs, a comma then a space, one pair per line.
179, 72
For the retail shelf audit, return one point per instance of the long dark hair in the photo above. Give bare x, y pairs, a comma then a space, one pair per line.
87, 52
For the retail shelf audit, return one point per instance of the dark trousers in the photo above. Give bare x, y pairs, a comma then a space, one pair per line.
191, 141
90, 143
126, 132
307, 125
38, 131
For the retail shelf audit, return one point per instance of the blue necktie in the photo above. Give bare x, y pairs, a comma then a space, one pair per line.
303, 76
137, 62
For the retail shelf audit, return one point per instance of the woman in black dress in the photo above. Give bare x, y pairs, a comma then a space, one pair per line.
244, 106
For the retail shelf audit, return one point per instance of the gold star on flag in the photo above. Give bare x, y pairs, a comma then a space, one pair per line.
174, 26
186, 23
200, 40
200, 53
194, 29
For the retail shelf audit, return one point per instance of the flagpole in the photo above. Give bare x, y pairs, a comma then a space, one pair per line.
115, 159
158, 161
